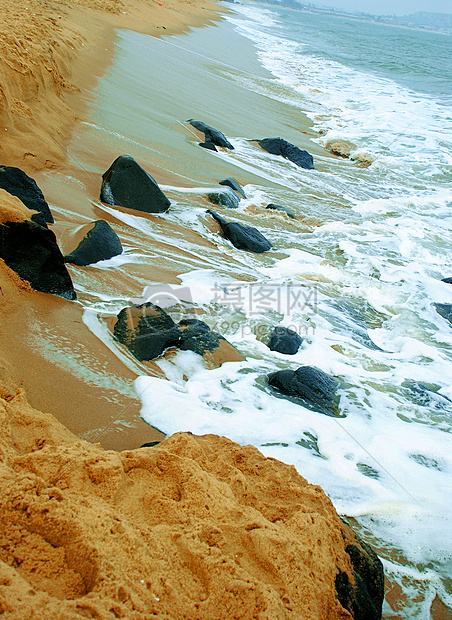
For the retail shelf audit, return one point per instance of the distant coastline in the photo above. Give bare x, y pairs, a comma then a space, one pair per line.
424, 20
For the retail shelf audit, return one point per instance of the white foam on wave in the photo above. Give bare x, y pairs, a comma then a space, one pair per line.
371, 462
398, 125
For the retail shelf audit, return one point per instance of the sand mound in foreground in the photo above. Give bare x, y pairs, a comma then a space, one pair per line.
197, 527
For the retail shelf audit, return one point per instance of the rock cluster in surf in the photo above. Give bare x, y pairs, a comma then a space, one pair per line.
147, 331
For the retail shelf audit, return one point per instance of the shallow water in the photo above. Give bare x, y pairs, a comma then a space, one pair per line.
356, 274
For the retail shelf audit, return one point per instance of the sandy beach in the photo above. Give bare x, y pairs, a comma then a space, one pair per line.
90, 533
202, 525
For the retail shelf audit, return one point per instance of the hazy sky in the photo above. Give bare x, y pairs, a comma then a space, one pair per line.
389, 7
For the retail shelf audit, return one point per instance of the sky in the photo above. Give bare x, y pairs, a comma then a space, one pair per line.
389, 7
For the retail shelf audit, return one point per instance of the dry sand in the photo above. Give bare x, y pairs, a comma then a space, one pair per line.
196, 528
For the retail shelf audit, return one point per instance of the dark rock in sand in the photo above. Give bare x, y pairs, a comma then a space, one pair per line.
285, 210
363, 598
150, 444
444, 310
278, 146
447, 280
99, 243
230, 182
316, 389
209, 146
284, 340
39, 218
146, 330
211, 134
225, 198
16, 182
126, 184
32, 252
242, 237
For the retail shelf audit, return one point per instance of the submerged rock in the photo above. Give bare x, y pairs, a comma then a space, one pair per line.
356, 323
99, 242
16, 182
126, 184
284, 340
444, 310
315, 388
285, 210
426, 396
230, 182
242, 237
211, 135
278, 146
224, 198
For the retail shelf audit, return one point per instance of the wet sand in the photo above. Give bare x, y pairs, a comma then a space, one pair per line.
52, 57
87, 386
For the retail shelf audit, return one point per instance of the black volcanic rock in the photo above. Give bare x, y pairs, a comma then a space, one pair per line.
313, 387
278, 146
210, 146
242, 237
16, 182
32, 252
146, 330
363, 598
444, 310
230, 182
99, 243
285, 210
225, 198
199, 338
211, 134
284, 340
126, 184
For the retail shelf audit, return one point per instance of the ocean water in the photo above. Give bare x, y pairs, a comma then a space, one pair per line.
357, 274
